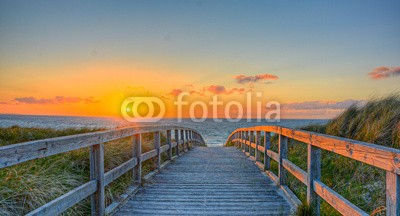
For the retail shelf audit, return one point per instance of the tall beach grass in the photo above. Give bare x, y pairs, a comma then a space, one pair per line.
27, 186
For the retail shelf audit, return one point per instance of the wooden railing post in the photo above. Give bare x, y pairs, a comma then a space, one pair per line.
282, 174
251, 137
183, 140
157, 147
191, 139
267, 146
137, 152
258, 141
169, 143
187, 139
237, 139
234, 138
176, 133
242, 145
314, 173
246, 147
97, 173
392, 193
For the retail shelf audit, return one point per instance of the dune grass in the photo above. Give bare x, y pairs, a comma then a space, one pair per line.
31, 184
376, 122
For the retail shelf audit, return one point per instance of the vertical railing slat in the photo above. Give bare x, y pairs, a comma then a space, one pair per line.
242, 145
392, 193
137, 152
157, 147
177, 150
314, 173
183, 140
282, 173
267, 145
258, 142
169, 143
187, 139
97, 173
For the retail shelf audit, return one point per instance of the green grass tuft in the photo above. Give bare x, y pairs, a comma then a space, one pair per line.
31, 184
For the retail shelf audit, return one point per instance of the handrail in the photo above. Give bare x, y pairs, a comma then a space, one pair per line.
378, 156
15, 154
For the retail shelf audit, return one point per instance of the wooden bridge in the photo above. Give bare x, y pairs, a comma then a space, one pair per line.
196, 180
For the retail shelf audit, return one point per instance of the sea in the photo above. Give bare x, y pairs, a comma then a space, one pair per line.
214, 132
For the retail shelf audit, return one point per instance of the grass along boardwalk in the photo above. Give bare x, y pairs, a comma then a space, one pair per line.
208, 181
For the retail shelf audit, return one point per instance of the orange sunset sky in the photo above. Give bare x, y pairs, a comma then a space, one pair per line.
84, 58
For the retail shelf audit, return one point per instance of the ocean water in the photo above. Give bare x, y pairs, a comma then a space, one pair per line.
214, 133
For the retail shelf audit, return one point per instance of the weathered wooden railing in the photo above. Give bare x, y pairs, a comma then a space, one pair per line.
18, 153
382, 157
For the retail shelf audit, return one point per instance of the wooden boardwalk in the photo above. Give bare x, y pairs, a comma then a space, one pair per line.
208, 181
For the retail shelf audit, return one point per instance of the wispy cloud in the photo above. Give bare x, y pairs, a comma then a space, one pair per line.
322, 105
175, 92
55, 100
216, 89
213, 89
243, 79
219, 89
384, 72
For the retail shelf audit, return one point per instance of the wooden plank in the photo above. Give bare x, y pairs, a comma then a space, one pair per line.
187, 139
250, 140
376, 155
18, 153
392, 193
62, 203
176, 133
267, 146
295, 170
183, 140
258, 142
150, 154
291, 196
272, 176
208, 181
314, 174
261, 148
119, 170
137, 153
242, 145
157, 148
260, 165
338, 202
164, 148
169, 143
98, 204
273, 155
113, 207
283, 148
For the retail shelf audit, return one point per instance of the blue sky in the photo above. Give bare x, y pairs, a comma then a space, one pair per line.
310, 45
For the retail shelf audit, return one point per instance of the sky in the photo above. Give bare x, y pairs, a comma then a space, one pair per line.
84, 58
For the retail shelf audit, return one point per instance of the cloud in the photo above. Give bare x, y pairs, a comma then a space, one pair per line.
216, 89
322, 105
175, 92
219, 89
55, 100
384, 72
236, 90
243, 79
213, 89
